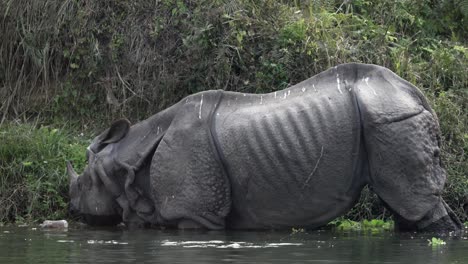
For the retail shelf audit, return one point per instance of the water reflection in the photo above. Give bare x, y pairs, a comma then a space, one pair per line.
78, 245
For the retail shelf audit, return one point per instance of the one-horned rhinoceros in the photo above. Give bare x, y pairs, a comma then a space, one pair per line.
292, 158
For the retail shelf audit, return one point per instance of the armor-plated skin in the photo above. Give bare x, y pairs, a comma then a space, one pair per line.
293, 158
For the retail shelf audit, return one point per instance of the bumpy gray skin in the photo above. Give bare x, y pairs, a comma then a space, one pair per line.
293, 158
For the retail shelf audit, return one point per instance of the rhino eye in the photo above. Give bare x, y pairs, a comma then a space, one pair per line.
84, 183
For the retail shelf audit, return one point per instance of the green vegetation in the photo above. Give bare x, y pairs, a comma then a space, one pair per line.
372, 226
436, 242
346, 225
77, 65
33, 183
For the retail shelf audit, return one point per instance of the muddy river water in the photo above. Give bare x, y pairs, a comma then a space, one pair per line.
118, 245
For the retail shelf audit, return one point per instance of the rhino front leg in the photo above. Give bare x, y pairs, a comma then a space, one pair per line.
441, 217
406, 173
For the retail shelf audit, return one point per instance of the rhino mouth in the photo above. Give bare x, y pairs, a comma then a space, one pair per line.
73, 212
94, 220
101, 220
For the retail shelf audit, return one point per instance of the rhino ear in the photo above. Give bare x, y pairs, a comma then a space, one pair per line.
117, 131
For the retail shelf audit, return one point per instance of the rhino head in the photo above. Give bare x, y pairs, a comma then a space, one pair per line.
93, 195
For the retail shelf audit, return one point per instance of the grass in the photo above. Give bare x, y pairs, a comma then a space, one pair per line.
372, 226
34, 185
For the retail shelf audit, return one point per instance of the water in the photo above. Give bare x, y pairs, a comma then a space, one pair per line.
85, 245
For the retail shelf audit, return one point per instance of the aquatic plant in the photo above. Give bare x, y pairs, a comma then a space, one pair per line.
373, 226
435, 242
378, 224
348, 225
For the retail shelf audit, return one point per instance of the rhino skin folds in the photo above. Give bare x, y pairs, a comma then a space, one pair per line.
292, 158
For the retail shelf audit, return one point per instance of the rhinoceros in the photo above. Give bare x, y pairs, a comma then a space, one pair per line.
298, 157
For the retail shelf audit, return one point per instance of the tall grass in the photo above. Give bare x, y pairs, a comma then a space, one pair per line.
73, 59
33, 183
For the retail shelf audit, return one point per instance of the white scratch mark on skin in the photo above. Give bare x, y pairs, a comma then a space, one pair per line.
367, 83
201, 103
244, 94
347, 84
359, 87
261, 99
338, 82
315, 89
313, 171
303, 89
186, 100
157, 131
285, 94
275, 95
289, 92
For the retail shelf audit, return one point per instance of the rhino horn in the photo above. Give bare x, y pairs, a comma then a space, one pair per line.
72, 175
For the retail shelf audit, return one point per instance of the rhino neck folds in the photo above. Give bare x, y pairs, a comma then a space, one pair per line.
131, 199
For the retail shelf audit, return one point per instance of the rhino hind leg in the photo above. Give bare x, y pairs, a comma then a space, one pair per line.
406, 172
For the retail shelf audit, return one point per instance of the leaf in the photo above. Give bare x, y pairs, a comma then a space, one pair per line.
464, 8
27, 163
436, 242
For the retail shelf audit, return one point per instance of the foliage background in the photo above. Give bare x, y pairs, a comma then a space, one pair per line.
70, 65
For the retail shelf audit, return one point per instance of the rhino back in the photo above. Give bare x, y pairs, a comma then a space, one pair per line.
294, 157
